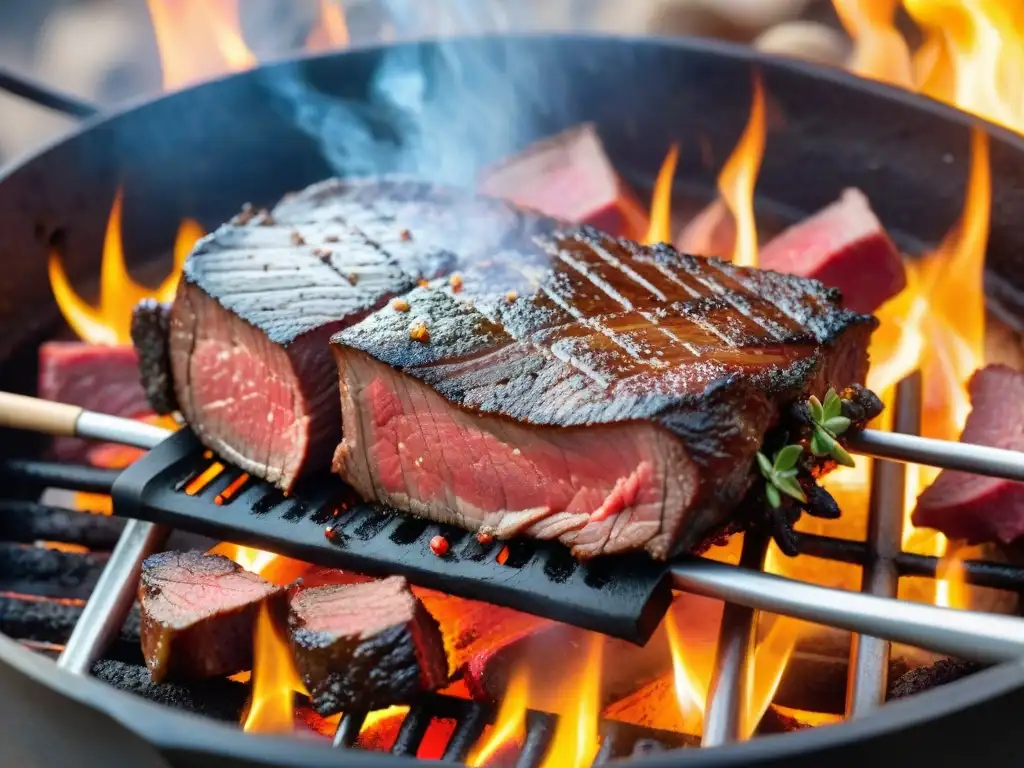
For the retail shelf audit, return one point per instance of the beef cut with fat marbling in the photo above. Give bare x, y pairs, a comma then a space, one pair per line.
586, 389
365, 645
198, 614
972, 507
260, 297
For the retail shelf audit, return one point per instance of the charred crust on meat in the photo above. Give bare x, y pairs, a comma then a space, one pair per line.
150, 329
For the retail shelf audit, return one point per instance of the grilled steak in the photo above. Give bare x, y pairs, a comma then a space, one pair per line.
615, 401
150, 330
261, 296
93, 376
973, 507
198, 614
570, 177
845, 245
365, 646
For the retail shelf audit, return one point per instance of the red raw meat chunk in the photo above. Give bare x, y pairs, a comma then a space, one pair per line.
93, 376
982, 509
569, 176
844, 245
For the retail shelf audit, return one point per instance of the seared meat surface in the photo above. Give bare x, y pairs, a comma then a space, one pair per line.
150, 331
261, 296
198, 614
586, 389
365, 645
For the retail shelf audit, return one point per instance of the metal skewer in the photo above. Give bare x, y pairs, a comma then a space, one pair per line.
945, 454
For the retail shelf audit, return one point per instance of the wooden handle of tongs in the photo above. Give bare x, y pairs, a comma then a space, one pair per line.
31, 413
62, 420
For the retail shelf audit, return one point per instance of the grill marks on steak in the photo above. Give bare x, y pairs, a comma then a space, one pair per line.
198, 614
615, 403
261, 297
365, 646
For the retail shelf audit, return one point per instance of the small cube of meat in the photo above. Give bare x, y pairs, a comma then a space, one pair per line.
95, 377
365, 646
568, 176
845, 246
972, 507
198, 614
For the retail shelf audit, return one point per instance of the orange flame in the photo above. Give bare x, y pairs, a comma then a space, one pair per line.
660, 228
198, 39
332, 29
109, 322
880, 52
738, 177
510, 724
274, 680
575, 742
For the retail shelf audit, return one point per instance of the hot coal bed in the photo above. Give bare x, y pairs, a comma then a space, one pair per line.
201, 153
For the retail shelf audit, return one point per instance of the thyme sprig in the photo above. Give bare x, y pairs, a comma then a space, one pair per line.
781, 475
829, 423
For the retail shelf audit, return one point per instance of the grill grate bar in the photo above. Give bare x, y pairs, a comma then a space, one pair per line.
468, 730
348, 729
413, 729
869, 656
540, 728
40, 475
726, 706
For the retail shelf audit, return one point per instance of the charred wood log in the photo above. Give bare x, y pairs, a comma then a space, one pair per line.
220, 699
927, 677
26, 522
51, 572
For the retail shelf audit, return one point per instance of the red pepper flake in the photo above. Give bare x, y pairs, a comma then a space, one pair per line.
331, 532
400, 305
512, 295
406, 235
297, 239
439, 546
419, 333
485, 539
455, 281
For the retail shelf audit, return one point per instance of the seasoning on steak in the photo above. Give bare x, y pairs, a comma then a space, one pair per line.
569, 176
198, 614
843, 245
614, 400
972, 507
261, 296
365, 646
150, 330
93, 376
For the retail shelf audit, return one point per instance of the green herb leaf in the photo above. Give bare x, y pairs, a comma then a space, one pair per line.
790, 487
772, 494
833, 405
765, 466
787, 457
821, 442
817, 412
837, 425
841, 456
787, 472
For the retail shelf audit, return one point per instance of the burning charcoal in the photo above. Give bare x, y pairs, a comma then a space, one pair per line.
569, 177
198, 614
365, 646
219, 699
925, 678
27, 522
844, 245
94, 376
47, 620
150, 331
973, 507
50, 572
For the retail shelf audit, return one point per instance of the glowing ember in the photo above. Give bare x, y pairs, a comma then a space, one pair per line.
738, 177
110, 321
510, 724
274, 681
660, 228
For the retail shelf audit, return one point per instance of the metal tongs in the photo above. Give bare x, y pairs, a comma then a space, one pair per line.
985, 637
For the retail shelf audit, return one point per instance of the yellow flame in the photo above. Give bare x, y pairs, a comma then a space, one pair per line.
332, 29
510, 725
575, 742
274, 680
737, 180
880, 52
660, 228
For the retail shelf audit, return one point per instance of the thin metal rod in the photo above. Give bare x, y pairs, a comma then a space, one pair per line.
106, 610
45, 96
115, 429
56, 474
945, 454
348, 729
869, 656
978, 636
726, 706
